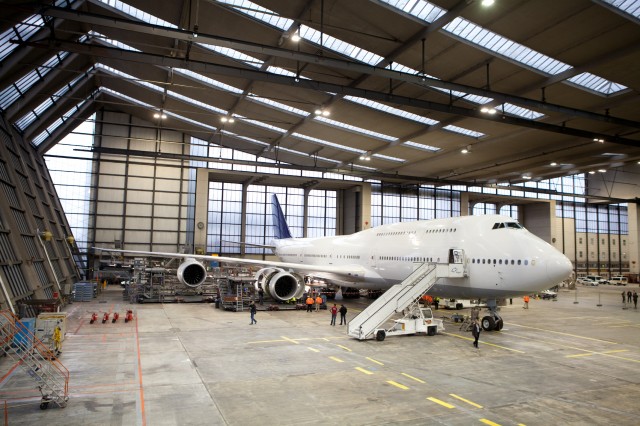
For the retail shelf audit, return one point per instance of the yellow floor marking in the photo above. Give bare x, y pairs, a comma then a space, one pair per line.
521, 424
373, 360
598, 353
465, 400
363, 370
396, 384
413, 378
482, 343
575, 349
345, 348
313, 349
489, 422
297, 341
290, 340
437, 401
564, 334
335, 359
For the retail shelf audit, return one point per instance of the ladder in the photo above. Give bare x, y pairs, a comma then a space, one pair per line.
36, 359
394, 300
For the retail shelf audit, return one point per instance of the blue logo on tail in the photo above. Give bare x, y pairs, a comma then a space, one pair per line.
279, 223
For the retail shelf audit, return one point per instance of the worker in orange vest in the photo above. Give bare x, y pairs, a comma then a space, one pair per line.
526, 302
318, 303
309, 303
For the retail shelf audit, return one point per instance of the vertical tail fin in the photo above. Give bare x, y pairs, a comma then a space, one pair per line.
279, 223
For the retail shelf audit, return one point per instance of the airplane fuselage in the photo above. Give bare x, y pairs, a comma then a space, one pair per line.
501, 259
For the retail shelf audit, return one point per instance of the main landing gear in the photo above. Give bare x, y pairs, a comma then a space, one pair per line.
493, 321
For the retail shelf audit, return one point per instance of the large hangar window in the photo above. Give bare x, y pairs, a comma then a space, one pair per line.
393, 203
224, 231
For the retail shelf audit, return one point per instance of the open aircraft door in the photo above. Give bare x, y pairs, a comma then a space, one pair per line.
457, 263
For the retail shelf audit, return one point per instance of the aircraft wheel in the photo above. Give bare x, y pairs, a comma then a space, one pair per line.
44, 405
488, 323
431, 331
499, 325
380, 335
459, 306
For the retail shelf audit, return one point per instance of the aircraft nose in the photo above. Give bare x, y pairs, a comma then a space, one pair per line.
559, 268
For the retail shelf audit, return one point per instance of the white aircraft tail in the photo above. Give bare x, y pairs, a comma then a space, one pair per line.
394, 300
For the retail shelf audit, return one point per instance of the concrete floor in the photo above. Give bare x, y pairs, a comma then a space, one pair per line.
559, 362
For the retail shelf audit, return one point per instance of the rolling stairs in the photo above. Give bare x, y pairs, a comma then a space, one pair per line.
36, 359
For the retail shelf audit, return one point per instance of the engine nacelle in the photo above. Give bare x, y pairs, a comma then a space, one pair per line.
192, 273
279, 284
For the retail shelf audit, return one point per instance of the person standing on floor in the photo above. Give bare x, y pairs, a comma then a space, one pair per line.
475, 331
309, 303
334, 312
343, 314
635, 299
253, 310
261, 295
318, 303
526, 301
629, 296
623, 296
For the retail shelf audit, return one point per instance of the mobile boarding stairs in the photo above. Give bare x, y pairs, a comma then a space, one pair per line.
36, 359
404, 297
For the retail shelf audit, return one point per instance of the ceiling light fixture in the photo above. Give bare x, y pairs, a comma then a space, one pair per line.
466, 149
322, 111
602, 170
161, 115
295, 37
489, 111
365, 156
487, 3
526, 177
591, 172
553, 164
598, 140
228, 119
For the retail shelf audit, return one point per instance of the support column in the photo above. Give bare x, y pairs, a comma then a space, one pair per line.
201, 213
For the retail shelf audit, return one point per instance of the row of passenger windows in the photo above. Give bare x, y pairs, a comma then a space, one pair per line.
500, 261
406, 258
428, 231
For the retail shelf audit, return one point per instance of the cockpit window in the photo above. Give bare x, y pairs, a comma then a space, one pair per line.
501, 225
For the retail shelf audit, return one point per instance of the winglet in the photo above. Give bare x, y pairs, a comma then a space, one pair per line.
278, 221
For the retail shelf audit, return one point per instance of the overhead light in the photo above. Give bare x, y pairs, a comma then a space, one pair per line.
486, 110
160, 115
591, 172
226, 119
598, 140
553, 163
322, 111
487, 3
526, 177
365, 156
602, 170
295, 37
466, 149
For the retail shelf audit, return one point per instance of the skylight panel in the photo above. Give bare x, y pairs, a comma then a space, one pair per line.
389, 158
234, 54
10, 94
246, 138
630, 7
54, 126
137, 13
339, 46
355, 129
278, 105
463, 131
327, 143
391, 110
261, 124
208, 81
421, 146
21, 31
421, 9
597, 84
519, 111
260, 13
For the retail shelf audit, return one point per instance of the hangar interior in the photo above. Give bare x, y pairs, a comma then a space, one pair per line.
167, 125
358, 114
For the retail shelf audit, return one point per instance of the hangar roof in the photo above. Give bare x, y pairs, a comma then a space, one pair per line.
384, 89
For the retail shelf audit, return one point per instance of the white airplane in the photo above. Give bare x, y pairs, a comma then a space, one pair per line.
501, 259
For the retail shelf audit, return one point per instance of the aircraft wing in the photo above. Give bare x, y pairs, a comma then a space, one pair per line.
347, 273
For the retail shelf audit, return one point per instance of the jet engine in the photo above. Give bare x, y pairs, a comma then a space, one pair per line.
192, 273
280, 284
